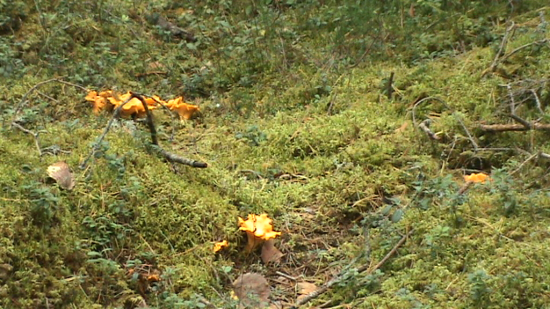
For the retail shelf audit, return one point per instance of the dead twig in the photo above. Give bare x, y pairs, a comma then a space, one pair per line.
24, 100
537, 100
425, 126
470, 137
514, 127
35, 135
154, 139
342, 275
500, 51
140, 75
540, 42
206, 302
96, 146
465, 187
531, 157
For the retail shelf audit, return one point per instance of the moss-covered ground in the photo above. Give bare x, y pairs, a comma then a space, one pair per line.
312, 112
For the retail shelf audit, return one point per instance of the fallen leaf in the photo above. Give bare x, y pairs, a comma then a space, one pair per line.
305, 288
402, 128
61, 172
252, 290
270, 253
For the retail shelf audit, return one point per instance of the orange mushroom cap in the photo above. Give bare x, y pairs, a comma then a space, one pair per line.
91, 96
184, 110
220, 245
477, 177
98, 102
260, 226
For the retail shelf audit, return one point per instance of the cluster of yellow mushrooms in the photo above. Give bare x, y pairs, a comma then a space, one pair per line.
109, 100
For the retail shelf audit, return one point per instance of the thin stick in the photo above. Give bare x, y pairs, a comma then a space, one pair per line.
524, 46
174, 120
150, 123
35, 135
512, 101
116, 114
154, 140
341, 276
205, 301
500, 51
514, 127
387, 256
389, 86
286, 276
537, 100
470, 137
24, 99
425, 126
531, 157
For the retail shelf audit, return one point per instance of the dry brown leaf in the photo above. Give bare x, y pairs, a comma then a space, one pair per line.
304, 288
276, 305
402, 128
270, 253
252, 290
61, 172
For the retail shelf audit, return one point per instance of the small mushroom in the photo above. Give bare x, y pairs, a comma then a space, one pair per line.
220, 245
477, 177
98, 102
258, 229
184, 110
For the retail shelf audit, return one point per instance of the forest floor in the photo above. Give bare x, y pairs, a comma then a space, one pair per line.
358, 130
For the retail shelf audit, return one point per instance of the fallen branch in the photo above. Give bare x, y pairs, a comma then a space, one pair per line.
154, 140
500, 51
139, 75
341, 276
508, 55
35, 135
470, 137
425, 126
24, 99
514, 127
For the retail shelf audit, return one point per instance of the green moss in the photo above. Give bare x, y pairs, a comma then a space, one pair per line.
296, 122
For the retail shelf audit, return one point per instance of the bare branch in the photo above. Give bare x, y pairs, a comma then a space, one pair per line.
341, 276
154, 139
425, 126
35, 135
24, 101
540, 42
514, 127
470, 137
500, 51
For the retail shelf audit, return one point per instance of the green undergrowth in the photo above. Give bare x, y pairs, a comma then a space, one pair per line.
296, 122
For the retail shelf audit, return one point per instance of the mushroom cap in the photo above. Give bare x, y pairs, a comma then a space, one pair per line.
220, 245
91, 96
477, 177
260, 226
184, 110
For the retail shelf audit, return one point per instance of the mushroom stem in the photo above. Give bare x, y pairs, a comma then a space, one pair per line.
253, 242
